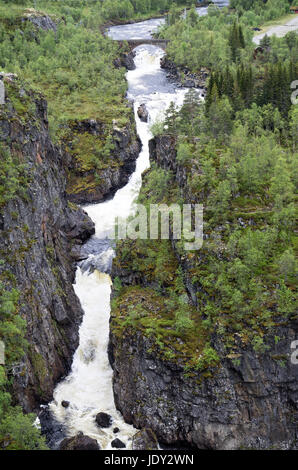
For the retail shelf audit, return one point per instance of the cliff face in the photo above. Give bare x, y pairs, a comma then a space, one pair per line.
40, 236
100, 159
248, 399
249, 405
183, 76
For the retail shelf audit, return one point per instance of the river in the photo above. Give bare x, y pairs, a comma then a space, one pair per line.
88, 387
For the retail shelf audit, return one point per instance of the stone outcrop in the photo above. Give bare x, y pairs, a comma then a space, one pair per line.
126, 60
249, 405
40, 20
118, 444
40, 237
87, 184
183, 76
249, 400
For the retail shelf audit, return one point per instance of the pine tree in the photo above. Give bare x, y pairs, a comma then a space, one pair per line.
170, 123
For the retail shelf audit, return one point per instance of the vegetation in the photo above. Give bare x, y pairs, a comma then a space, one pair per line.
223, 37
16, 429
238, 153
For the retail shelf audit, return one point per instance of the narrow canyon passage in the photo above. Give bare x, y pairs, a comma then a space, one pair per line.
88, 387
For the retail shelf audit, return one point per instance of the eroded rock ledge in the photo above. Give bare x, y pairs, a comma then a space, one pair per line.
183, 76
99, 160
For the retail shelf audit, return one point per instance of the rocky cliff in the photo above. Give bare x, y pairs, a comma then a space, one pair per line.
242, 397
40, 236
183, 76
248, 404
99, 158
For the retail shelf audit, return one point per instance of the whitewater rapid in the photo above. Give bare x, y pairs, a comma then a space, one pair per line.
88, 387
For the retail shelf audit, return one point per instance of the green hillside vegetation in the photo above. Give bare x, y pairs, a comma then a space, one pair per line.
224, 37
244, 275
238, 151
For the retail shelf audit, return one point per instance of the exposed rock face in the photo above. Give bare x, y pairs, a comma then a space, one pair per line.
251, 405
144, 440
248, 401
40, 236
83, 185
40, 20
143, 113
183, 76
79, 442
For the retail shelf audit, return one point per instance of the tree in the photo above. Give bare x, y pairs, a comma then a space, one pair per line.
220, 118
294, 126
171, 116
288, 264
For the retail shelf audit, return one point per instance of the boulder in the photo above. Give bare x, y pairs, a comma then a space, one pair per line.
79, 442
103, 420
143, 113
117, 444
115, 430
125, 60
40, 20
144, 440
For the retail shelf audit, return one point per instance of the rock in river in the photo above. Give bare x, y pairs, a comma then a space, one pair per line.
117, 444
103, 420
79, 442
143, 113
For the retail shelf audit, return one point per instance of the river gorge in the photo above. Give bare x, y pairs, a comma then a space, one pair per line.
89, 388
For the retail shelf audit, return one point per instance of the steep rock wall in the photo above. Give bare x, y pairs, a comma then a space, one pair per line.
99, 159
40, 237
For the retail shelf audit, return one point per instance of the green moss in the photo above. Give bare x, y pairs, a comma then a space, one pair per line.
144, 309
39, 367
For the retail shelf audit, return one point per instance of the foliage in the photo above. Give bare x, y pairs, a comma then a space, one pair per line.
17, 431
11, 175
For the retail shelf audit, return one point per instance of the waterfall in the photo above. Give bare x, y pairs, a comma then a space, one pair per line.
88, 387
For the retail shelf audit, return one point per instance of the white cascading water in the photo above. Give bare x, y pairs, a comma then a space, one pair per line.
88, 387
